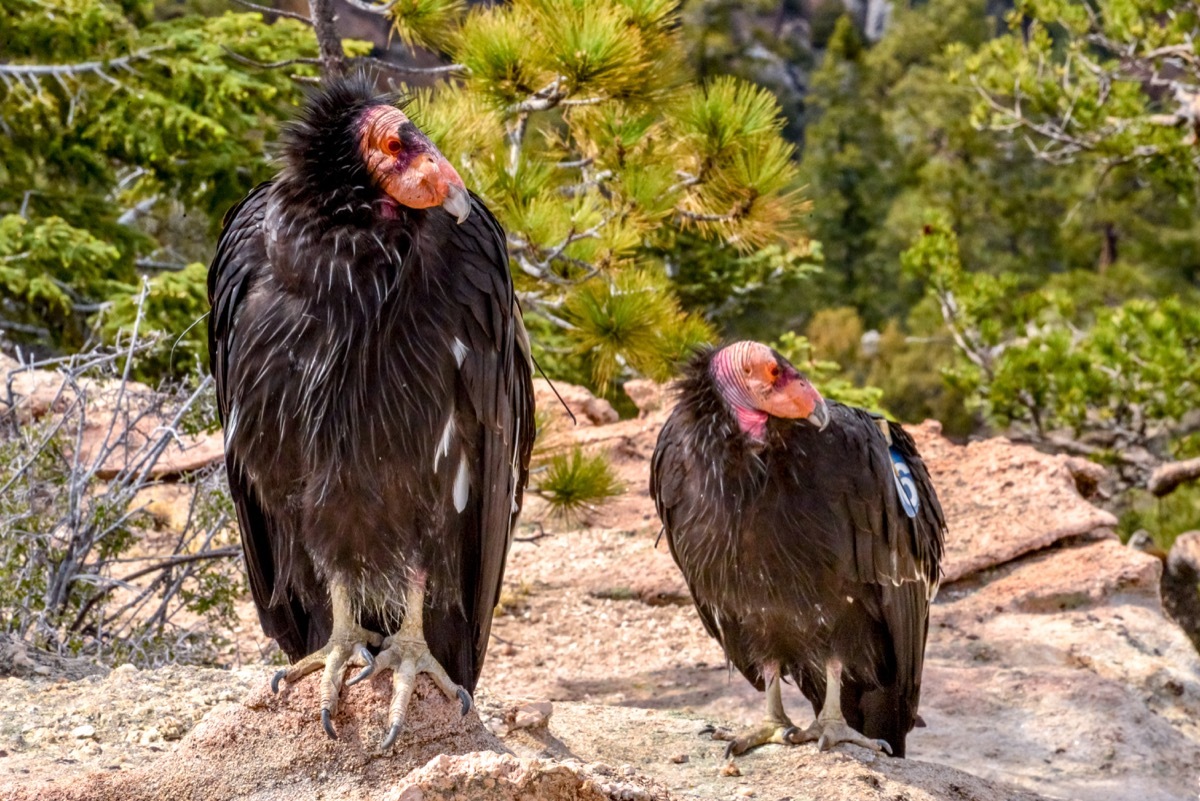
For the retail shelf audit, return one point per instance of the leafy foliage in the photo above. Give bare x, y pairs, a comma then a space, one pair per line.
117, 127
1111, 381
1111, 81
172, 299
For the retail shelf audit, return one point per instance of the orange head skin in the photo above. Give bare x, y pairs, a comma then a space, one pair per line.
407, 166
758, 383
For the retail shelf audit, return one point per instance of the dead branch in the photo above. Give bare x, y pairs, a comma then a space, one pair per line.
404, 69
33, 72
270, 65
278, 12
1168, 477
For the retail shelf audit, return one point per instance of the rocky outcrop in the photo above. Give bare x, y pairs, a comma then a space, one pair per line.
1051, 671
1002, 500
268, 747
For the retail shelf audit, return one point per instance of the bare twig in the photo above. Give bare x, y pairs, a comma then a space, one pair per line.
278, 12
405, 69
271, 65
97, 68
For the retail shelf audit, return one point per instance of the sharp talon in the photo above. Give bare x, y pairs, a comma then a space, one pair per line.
327, 724
708, 729
392, 734
792, 735
883, 745
369, 670
465, 697
361, 675
279, 674
729, 754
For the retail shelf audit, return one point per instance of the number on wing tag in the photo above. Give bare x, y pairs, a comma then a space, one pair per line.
905, 484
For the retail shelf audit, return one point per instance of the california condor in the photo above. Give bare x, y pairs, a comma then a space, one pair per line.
810, 536
373, 378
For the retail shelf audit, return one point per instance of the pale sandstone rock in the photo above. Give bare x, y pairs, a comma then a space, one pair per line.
533, 715
1056, 580
587, 408
647, 395
1050, 668
1002, 500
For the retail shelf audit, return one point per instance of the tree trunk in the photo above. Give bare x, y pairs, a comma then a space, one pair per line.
333, 57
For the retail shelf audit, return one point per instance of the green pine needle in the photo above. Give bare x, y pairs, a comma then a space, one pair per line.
427, 23
575, 483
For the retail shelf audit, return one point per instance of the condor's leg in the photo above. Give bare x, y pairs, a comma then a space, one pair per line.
346, 640
776, 726
406, 653
830, 728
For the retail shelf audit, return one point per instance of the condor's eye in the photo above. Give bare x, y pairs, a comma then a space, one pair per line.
392, 146
774, 371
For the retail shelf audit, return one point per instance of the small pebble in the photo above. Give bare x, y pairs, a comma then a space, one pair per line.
84, 732
679, 759
731, 769
532, 716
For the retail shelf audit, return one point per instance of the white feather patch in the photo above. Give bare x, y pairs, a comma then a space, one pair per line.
460, 351
462, 486
443, 448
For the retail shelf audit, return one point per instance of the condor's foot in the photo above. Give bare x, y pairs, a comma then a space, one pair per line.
406, 654
776, 726
830, 728
347, 645
406, 657
771, 731
828, 733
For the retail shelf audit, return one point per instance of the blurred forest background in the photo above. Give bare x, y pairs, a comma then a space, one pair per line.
980, 211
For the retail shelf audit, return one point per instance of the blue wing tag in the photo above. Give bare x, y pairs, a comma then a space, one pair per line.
905, 484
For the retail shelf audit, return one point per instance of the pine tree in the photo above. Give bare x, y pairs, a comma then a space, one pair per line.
125, 139
576, 122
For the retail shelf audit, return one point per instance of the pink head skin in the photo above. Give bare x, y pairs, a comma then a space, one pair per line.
407, 165
757, 383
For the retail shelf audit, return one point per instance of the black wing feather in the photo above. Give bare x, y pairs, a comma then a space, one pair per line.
496, 383
240, 261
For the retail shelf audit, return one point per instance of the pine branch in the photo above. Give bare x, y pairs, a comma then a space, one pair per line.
372, 8
696, 216
35, 72
271, 65
546, 98
404, 69
279, 12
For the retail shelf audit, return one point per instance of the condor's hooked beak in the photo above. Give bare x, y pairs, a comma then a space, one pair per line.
457, 202
795, 398
820, 416
440, 184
